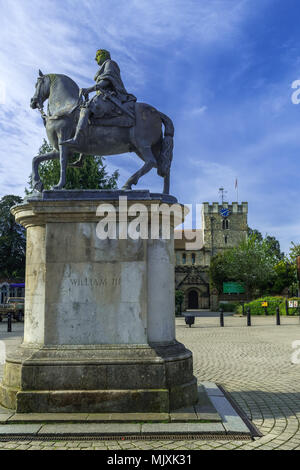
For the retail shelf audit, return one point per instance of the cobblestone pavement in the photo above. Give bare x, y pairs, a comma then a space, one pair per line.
252, 363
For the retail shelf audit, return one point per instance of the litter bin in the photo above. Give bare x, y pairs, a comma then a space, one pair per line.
189, 320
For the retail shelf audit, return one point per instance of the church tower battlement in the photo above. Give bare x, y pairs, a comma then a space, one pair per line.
224, 225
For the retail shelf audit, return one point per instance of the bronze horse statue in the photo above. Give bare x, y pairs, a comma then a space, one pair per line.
145, 137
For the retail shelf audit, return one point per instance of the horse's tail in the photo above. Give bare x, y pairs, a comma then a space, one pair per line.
166, 151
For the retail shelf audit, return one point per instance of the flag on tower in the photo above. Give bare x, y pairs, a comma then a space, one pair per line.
236, 183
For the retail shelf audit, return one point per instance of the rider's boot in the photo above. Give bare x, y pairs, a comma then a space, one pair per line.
81, 126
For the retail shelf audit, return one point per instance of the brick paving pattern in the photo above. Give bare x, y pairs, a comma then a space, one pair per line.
252, 363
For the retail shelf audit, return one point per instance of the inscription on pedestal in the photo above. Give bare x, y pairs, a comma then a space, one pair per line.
95, 282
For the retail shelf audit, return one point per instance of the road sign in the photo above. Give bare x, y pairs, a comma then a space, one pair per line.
233, 288
264, 304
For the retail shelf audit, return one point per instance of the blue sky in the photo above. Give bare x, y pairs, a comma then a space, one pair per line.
221, 69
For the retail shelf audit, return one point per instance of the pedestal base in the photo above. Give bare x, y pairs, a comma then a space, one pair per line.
97, 379
99, 330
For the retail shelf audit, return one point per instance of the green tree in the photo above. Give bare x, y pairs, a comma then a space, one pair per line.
294, 252
220, 270
254, 232
12, 241
274, 247
285, 276
272, 242
179, 298
92, 174
250, 263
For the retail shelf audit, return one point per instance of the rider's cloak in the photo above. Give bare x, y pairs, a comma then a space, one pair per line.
110, 71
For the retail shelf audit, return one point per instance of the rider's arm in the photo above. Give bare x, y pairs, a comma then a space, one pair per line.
102, 84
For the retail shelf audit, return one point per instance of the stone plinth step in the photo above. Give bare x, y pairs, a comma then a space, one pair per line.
213, 415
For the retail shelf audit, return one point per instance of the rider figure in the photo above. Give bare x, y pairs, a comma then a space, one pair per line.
108, 80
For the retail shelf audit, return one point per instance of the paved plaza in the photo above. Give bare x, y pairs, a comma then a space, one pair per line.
254, 364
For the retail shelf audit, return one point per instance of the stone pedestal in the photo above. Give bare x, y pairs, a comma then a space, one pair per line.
99, 314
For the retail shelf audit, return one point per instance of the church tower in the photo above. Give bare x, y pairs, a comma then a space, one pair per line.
224, 225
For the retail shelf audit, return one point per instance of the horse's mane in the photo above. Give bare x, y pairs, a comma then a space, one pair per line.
54, 80
64, 93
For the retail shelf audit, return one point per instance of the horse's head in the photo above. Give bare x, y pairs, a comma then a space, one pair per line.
42, 90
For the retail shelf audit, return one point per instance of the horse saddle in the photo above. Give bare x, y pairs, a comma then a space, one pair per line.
106, 113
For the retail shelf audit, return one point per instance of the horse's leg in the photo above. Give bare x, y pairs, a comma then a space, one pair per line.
150, 162
79, 162
167, 183
36, 181
63, 157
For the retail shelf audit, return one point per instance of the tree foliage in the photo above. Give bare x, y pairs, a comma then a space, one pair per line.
92, 175
12, 241
179, 296
251, 263
294, 252
285, 276
258, 264
271, 242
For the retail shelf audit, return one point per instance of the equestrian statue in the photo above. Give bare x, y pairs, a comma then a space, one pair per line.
111, 122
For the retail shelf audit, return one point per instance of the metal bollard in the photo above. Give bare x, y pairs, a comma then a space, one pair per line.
277, 316
221, 317
9, 323
248, 317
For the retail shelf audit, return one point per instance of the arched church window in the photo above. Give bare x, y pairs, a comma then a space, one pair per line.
225, 224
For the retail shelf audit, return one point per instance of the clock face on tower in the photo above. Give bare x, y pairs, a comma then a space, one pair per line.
224, 212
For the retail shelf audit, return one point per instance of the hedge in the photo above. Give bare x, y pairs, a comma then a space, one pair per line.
273, 302
228, 306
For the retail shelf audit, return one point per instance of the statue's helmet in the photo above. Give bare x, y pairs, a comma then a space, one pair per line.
101, 56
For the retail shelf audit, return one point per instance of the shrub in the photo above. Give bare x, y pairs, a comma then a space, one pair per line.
291, 311
228, 306
273, 302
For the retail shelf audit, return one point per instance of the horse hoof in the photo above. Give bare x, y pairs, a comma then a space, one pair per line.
57, 187
76, 165
38, 186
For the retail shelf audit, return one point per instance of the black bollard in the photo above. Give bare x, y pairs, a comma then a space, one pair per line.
9, 323
277, 316
248, 317
221, 317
